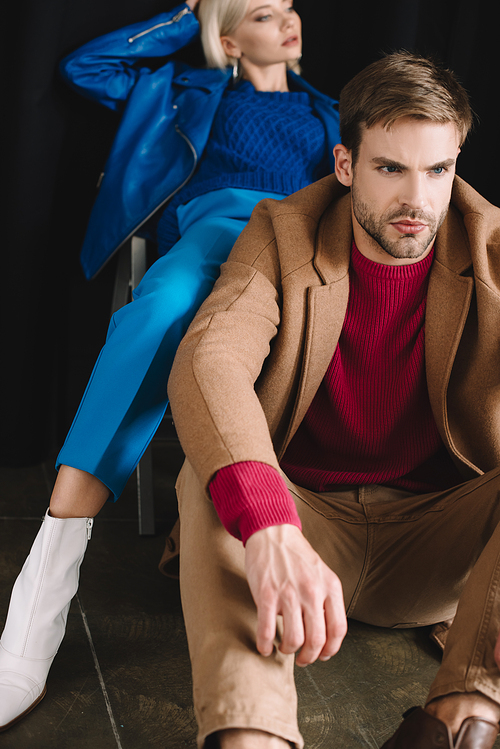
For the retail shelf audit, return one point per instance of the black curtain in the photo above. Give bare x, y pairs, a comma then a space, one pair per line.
55, 144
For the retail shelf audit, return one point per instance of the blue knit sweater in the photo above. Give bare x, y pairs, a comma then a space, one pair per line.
261, 140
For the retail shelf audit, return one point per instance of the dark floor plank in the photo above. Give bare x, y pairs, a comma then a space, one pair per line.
139, 637
135, 620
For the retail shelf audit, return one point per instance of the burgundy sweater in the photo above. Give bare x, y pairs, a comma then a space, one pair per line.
370, 421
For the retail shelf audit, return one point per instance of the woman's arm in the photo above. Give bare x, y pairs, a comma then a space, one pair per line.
105, 68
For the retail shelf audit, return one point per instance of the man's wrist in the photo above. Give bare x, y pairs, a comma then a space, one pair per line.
251, 496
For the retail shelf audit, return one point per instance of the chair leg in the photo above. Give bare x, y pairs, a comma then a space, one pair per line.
145, 498
138, 260
121, 289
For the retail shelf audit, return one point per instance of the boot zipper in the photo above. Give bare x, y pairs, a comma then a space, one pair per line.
89, 523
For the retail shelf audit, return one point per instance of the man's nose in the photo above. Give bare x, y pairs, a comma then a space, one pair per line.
414, 193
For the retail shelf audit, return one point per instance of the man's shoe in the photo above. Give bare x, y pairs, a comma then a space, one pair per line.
420, 730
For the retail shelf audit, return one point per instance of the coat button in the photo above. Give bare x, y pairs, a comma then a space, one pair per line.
175, 106
185, 80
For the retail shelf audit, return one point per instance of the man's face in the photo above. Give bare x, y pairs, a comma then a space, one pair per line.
401, 188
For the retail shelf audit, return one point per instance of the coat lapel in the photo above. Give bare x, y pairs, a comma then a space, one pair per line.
448, 302
326, 305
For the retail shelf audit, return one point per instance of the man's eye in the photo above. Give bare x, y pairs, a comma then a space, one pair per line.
439, 170
390, 169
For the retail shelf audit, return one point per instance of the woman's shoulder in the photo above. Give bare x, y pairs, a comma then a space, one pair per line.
187, 75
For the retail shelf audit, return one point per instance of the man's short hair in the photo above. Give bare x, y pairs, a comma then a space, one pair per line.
399, 85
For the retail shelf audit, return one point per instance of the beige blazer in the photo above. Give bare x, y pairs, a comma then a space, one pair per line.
254, 356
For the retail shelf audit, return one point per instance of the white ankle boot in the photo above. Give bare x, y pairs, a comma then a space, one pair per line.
36, 620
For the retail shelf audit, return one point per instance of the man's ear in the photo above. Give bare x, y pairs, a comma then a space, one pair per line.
230, 48
343, 164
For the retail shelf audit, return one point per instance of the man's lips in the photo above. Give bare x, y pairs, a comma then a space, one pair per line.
408, 227
291, 41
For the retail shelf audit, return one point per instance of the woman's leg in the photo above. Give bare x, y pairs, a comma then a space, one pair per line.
42, 593
126, 396
77, 494
123, 404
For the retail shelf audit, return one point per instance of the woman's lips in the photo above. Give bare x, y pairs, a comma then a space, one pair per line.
409, 227
291, 41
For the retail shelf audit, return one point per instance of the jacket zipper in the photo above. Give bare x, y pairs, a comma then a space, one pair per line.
175, 19
169, 197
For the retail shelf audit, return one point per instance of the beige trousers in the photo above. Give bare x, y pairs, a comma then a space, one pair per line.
404, 560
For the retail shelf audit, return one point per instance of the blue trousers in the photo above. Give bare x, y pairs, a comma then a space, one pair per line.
126, 396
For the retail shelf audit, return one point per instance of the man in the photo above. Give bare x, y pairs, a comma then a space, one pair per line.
357, 462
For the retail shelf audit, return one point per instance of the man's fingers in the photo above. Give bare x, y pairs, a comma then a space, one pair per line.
315, 636
266, 627
288, 578
325, 626
336, 626
293, 625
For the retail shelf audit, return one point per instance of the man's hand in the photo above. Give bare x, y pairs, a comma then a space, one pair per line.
287, 577
192, 3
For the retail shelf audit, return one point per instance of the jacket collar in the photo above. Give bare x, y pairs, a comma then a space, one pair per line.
209, 79
212, 78
334, 239
452, 241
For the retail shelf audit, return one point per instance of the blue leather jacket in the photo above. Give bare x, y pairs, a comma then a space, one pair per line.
167, 115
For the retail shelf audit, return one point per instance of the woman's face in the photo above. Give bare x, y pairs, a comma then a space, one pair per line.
270, 33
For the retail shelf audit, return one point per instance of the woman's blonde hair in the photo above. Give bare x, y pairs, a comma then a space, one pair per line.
221, 18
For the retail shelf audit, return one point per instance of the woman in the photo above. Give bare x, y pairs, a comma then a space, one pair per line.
199, 149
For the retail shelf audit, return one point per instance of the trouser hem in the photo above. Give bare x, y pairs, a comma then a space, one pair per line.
478, 685
243, 721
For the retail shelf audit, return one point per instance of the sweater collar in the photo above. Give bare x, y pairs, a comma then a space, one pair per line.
367, 267
468, 211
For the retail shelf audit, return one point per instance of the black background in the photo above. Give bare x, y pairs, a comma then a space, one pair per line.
55, 144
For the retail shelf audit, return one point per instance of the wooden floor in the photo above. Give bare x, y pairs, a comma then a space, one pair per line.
122, 676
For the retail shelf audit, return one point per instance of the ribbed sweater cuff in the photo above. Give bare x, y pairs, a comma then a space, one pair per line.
251, 496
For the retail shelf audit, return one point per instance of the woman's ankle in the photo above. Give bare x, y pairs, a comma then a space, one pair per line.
77, 494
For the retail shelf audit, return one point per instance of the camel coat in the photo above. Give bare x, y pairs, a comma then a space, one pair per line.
254, 356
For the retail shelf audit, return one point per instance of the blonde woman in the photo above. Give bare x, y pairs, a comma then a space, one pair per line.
195, 151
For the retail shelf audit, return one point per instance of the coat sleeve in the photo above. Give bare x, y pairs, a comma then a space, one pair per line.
217, 413
106, 69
